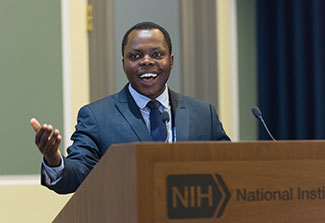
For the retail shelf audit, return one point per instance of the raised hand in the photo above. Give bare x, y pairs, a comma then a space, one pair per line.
48, 142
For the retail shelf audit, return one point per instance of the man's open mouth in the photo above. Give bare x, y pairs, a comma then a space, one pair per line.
148, 75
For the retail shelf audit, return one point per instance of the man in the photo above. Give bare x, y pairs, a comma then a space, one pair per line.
137, 113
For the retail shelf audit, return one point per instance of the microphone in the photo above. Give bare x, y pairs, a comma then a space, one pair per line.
165, 117
258, 114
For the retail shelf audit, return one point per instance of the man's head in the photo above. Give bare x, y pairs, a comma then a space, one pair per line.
147, 58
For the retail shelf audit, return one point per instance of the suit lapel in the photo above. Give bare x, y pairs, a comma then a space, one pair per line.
130, 111
181, 116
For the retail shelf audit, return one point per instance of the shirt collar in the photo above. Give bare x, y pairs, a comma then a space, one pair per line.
142, 100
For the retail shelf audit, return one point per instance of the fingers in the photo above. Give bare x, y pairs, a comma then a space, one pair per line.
51, 150
53, 142
43, 135
35, 124
57, 142
39, 135
45, 140
48, 144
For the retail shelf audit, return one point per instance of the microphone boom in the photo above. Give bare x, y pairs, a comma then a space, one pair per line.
258, 114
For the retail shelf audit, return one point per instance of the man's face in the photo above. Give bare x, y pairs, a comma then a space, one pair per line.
147, 62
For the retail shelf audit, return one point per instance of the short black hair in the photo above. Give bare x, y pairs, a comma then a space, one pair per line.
146, 26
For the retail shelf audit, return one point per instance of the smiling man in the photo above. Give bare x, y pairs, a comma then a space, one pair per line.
147, 61
144, 110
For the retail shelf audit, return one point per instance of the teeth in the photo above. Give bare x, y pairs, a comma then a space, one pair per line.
147, 75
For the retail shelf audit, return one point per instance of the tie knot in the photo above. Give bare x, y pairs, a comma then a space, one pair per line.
154, 104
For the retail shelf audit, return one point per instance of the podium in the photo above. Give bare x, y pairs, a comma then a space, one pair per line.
203, 182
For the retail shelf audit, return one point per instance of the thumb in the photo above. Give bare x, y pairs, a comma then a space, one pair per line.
35, 124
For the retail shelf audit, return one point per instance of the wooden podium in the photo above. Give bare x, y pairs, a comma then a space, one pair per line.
204, 182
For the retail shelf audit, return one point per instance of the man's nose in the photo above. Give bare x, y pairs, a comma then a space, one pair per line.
147, 61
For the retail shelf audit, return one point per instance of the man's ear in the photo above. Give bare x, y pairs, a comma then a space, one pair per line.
123, 63
171, 61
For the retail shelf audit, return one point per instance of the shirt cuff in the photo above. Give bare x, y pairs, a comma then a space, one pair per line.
54, 173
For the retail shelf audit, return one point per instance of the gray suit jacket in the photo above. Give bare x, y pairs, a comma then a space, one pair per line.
117, 119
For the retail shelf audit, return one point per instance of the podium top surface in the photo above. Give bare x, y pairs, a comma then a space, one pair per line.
249, 150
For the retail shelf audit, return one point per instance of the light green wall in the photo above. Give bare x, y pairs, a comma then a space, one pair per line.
247, 67
30, 79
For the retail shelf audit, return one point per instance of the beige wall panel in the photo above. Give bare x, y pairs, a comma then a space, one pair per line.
29, 203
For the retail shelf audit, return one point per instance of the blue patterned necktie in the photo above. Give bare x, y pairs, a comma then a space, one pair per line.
157, 126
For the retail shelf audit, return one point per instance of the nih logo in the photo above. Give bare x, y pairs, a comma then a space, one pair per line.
196, 196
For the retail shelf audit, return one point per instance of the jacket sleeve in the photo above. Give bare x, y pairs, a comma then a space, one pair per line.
83, 154
218, 133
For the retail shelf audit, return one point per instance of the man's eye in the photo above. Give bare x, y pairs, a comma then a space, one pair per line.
157, 55
134, 56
